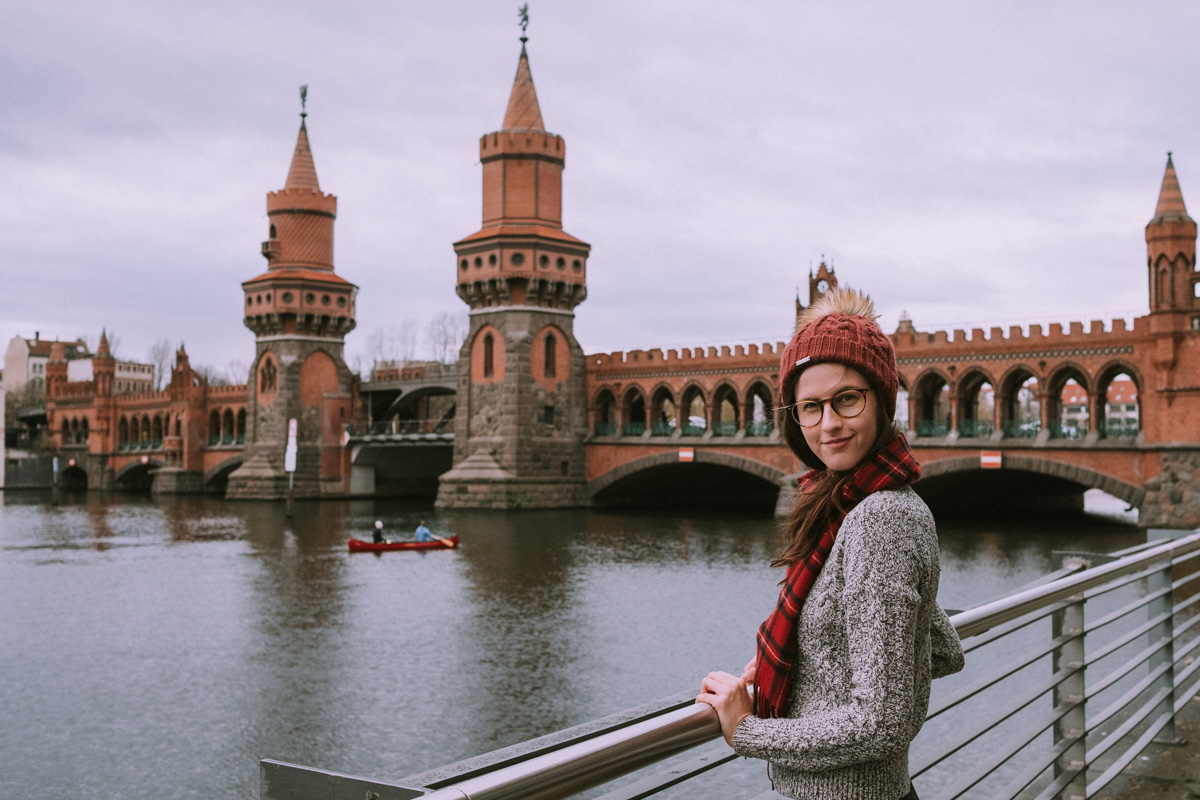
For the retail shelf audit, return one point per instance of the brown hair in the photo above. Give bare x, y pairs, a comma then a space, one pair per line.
813, 510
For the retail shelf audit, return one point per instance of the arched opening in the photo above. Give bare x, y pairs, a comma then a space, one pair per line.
214, 428
760, 413
902, 407
663, 415
605, 411
156, 435
135, 433
177, 426
227, 427
122, 434
1121, 411
145, 430
633, 413
550, 362
74, 479
489, 356
664, 482
976, 406
1022, 408
66, 432
1067, 404
83, 430
697, 412
933, 406
725, 411
241, 426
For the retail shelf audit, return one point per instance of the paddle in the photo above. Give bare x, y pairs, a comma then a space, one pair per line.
442, 539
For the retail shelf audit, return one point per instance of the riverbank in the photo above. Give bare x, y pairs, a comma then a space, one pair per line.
1163, 771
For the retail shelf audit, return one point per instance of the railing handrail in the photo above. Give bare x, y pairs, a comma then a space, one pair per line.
610, 755
977, 620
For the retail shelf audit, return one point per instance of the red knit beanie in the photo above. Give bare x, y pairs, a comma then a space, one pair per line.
841, 328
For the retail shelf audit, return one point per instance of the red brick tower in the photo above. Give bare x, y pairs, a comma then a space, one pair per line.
300, 311
1174, 285
521, 416
1171, 249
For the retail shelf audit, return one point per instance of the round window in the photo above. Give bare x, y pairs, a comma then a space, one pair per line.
249, 301
576, 265
341, 302
561, 262
544, 261
463, 264
517, 259
287, 297
478, 262
310, 298
324, 299
492, 259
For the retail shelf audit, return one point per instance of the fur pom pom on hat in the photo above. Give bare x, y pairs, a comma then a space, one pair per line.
841, 328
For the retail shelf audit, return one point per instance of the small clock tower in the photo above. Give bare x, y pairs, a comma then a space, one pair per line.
819, 283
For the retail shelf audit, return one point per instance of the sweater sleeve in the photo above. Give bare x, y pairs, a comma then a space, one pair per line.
946, 653
883, 572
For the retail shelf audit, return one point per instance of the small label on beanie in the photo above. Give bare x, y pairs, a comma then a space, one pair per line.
801, 361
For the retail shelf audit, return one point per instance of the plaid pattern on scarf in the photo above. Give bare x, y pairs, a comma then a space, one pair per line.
893, 466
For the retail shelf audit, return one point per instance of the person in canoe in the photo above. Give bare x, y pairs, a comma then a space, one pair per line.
377, 536
424, 534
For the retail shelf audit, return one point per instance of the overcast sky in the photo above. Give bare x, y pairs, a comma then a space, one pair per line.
971, 163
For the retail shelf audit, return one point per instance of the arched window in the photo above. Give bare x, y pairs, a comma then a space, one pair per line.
227, 431
145, 429
135, 432
83, 430
241, 426
214, 428
551, 361
157, 431
177, 427
122, 434
66, 431
489, 356
267, 376
272, 234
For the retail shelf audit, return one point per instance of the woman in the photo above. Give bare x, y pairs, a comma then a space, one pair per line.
842, 672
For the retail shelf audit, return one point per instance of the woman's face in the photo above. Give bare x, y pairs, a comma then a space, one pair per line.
840, 443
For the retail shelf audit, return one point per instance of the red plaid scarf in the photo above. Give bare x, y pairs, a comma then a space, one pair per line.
891, 467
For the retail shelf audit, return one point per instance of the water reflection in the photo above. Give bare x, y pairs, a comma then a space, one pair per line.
174, 642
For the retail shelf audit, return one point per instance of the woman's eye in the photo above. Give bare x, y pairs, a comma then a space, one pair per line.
810, 408
845, 399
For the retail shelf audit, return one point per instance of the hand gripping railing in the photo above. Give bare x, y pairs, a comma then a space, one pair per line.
562, 765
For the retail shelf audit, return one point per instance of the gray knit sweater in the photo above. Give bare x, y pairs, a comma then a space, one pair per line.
871, 637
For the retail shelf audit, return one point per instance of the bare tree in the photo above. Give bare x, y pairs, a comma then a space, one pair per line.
236, 371
159, 356
395, 343
446, 334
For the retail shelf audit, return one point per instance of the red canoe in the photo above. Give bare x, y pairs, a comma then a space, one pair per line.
359, 546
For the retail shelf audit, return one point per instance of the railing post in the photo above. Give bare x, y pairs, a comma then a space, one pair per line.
1159, 580
1073, 725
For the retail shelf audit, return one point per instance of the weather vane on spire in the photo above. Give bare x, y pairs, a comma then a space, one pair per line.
303, 100
523, 14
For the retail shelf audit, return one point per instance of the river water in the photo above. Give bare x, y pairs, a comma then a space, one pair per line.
159, 647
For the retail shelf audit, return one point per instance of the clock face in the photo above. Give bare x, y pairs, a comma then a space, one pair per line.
822, 286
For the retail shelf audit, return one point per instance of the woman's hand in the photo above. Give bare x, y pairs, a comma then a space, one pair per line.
749, 671
731, 699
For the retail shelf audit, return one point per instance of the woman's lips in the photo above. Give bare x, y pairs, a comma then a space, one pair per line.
835, 444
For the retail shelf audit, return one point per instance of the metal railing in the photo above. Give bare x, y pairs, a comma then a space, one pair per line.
1067, 680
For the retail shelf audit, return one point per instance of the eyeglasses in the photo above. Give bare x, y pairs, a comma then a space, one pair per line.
847, 404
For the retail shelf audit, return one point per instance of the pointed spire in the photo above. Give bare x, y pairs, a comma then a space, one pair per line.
1170, 197
523, 110
303, 173
102, 349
